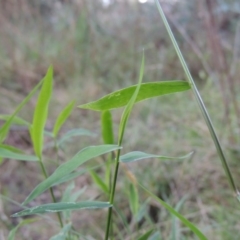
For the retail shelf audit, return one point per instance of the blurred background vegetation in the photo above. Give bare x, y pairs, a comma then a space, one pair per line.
95, 47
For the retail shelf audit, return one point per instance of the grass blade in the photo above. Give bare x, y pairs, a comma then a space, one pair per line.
63, 116
62, 206
5, 128
133, 199
63, 235
188, 224
146, 235
122, 97
200, 103
107, 128
67, 167
136, 156
6, 153
73, 133
123, 123
41, 112
99, 182
15, 120
12, 233
11, 148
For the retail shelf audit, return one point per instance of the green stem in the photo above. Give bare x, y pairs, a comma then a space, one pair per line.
51, 191
200, 103
112, 194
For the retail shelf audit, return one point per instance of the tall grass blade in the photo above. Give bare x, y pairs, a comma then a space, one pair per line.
136, 156
188, 224
69, 166
122, 126
5, 128
63, 116
62, 206
200, 103
41, 112
149, 90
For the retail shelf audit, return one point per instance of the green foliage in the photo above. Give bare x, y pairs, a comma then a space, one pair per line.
62, 206
63, 116
136, 156
5, 128
67, 170
190, 225
121, 97
41, 112
68, 167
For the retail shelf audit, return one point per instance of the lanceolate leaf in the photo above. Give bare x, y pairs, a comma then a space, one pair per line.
16, 120
5, 153
63, 116
135, 156
62, 206
121, 97
73, 133
130, 102
69, 166
107, 128
5, 128
41, 112
190, 225
99, 182
10, 148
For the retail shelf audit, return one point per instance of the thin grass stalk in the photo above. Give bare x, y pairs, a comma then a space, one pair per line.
200, 103
112, 193
51, 191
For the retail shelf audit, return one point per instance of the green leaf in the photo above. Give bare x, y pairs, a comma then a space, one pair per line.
130, 104
5, 153
69, 166
41, 112
5, 128
63, 234
188, 224
62, 206
149, 90
63, 116
175, 226
155, 236
107, 128
73, 175
99, 182
133, 199
11, 148
12, 233
73, 133
146, 235
15, 120
135, 156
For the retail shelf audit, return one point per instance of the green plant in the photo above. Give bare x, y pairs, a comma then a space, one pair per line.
67, 171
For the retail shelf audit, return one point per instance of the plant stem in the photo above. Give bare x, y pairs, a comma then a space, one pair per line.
51, 191
200, 103
112, 193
